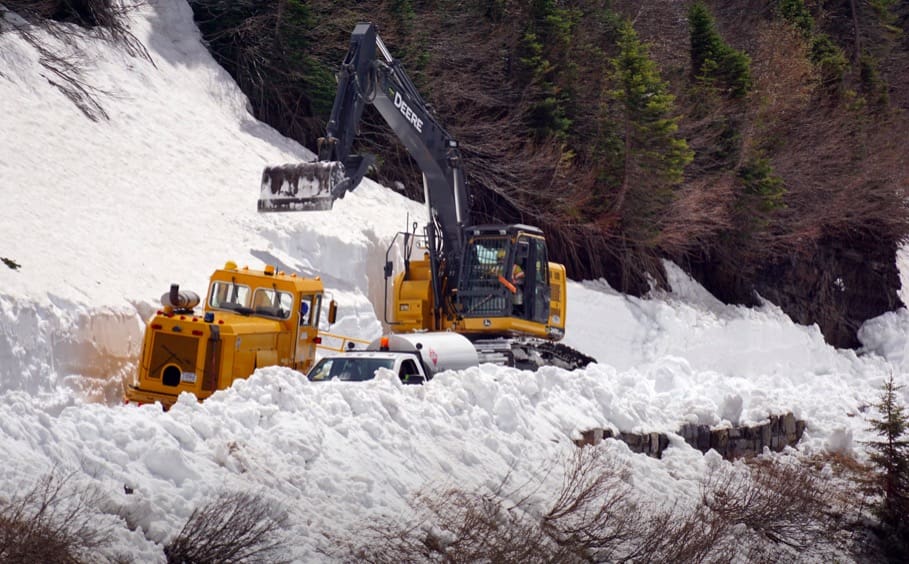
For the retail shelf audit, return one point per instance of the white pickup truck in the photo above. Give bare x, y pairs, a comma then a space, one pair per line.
414, 357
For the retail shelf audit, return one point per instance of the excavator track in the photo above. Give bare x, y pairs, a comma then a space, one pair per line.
530, 354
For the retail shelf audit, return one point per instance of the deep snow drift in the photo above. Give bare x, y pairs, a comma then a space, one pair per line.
103, 215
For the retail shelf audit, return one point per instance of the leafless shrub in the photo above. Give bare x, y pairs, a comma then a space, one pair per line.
784, 502
234, 527
454, 525
695, 535
851, 501
762, 511
457, 526
51, 523
593, 512
700, 211
66, 74
105, 18
765, 510
591, 518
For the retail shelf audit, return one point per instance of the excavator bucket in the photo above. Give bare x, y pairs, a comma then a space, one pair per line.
311, 186
302, 186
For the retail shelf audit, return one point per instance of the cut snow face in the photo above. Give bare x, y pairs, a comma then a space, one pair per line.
102, 215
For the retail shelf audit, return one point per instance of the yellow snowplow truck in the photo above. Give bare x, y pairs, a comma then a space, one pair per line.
250, 319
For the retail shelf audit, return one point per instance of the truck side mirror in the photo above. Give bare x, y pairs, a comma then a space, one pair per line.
332, 311
414, 379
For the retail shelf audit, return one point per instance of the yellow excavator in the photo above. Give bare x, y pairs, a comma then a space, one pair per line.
494, 284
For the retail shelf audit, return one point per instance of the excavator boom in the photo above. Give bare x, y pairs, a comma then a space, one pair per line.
370, 75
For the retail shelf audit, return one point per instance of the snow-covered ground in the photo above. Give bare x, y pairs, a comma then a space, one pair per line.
103, 215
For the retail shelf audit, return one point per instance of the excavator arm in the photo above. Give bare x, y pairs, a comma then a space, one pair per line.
370, 75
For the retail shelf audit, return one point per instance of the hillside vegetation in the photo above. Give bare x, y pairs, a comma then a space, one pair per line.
755, 143
758, 144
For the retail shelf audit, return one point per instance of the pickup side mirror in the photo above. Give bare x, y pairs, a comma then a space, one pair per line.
332, 311
413, 379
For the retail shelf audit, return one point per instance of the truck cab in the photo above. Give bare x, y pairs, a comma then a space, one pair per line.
414, 357
357, 366
250, 319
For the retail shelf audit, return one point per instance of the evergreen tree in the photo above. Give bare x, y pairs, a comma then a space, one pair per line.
712, 59
548, 32
891, 457
829, 59
706, 43
315, 81
763, 190
654, 156
796, 13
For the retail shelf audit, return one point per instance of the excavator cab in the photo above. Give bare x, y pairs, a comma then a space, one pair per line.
505, 273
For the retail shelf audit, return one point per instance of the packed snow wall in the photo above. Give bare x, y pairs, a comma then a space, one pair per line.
46, 348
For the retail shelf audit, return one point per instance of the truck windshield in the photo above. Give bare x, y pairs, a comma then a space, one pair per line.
273, 303
228, 295
348, 369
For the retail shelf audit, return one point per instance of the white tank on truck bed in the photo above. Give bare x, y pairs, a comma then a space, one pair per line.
439, 350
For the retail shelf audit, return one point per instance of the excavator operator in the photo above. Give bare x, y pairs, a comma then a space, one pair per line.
517, 278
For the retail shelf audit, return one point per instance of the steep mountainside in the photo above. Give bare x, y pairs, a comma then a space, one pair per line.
754, 143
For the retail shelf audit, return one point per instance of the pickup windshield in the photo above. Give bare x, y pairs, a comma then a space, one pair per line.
354, 369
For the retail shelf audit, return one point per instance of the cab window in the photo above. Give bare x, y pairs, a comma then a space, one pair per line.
482, 292
272, 303
348, 369
541, 263
487, 257
321, 371
408, 369
310, 308
228, 295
